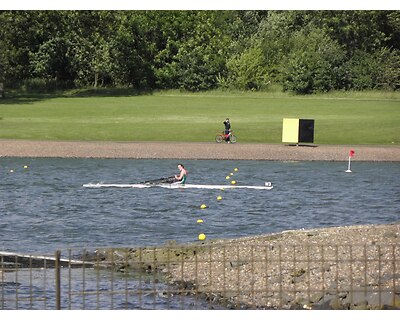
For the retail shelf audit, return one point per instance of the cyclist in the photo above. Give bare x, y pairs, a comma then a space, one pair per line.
227, 130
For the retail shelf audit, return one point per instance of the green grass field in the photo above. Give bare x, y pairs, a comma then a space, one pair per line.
340, 118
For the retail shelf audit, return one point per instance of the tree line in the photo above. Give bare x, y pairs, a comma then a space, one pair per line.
301, 51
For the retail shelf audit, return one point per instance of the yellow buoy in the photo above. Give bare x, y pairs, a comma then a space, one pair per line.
203, 206
202, 237
236, 169
231, 173
222, 189
233, 182
25, 167
219, 198
200, 221
11, 170
227, 177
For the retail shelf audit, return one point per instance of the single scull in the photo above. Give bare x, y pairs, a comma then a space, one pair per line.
267, 186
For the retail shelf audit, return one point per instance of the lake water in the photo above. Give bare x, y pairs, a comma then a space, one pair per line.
44, 207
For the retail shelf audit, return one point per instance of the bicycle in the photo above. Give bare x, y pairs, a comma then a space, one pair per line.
224, 137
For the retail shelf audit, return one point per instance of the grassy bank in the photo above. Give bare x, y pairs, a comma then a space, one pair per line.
120, 115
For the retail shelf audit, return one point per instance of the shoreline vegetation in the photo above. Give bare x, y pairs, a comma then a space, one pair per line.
300, 51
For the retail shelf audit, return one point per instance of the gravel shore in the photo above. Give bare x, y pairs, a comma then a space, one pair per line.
186, 150
327, 268
349, 267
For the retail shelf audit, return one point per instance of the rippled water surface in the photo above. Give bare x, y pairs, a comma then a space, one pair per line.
44, 207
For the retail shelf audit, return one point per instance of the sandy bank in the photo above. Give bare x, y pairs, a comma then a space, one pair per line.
185, 150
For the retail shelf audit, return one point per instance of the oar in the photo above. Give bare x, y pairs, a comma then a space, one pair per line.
157, 180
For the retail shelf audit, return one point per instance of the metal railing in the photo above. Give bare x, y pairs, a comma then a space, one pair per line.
207, 276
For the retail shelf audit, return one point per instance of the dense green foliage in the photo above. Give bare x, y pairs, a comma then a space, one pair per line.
104, 114
302, 51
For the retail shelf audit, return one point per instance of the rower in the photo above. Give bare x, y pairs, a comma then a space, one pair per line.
182, 175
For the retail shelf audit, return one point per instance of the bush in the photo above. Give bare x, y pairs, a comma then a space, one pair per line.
380, 69
45, 85
388, 74
363, 70
315, 64
247, 71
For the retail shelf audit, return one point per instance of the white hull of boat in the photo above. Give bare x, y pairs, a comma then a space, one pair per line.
268, 186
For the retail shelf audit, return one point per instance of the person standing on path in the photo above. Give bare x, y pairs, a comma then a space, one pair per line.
227, 130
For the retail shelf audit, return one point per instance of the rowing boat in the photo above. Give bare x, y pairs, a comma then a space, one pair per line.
267, 186
174, 186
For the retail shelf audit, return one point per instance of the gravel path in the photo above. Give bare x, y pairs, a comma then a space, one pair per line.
186, 150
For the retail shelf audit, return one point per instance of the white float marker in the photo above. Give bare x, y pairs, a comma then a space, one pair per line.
351, 154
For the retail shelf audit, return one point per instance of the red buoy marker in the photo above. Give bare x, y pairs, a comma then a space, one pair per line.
351, 155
